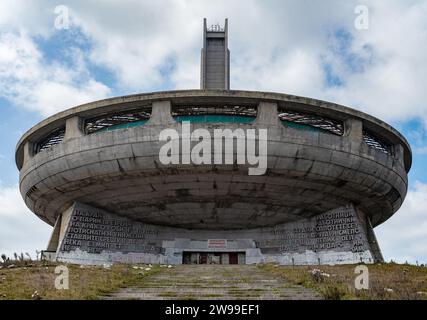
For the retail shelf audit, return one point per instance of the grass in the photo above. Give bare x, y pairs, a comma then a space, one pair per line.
86, 282
90, 282
405, 281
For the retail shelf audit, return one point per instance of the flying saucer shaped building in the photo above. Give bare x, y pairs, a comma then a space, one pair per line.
332, 174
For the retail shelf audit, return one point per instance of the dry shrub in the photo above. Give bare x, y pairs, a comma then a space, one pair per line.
332, 292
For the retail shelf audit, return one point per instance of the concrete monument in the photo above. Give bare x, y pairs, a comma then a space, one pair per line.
331, 175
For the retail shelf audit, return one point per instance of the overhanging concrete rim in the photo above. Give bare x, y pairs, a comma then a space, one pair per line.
229, 96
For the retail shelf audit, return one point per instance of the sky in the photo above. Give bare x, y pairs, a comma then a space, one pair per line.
368, 55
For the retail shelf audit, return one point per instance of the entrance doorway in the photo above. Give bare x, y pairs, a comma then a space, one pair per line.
213, 257
233, 258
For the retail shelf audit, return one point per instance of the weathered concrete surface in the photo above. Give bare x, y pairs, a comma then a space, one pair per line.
92, 236
216, 282
308, 174
215, 97
215, 59
325, 183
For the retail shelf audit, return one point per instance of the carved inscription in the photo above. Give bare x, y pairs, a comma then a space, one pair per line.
94, 231
338, 229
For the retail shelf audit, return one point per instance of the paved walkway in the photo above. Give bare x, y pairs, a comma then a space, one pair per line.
234, 282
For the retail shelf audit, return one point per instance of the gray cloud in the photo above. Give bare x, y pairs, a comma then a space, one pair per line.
276, 46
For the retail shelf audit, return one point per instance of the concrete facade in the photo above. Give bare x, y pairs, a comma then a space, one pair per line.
309, 174
94, 236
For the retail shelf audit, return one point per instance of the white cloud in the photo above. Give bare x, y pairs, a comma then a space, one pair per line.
11, 202
34, 16
20, 229
265, 54
275, 46
46, 87
421, 150
404, 236
392, 84
298, 70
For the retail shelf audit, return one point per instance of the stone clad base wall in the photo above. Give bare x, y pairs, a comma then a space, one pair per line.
93, 236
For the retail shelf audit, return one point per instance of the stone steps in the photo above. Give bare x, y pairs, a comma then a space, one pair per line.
216, 282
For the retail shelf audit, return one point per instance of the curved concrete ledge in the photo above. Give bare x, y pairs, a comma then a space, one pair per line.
308, 173
232, 97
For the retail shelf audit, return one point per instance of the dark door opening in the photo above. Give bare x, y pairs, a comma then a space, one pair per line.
213, 257
203, 258
233, 258
186, 258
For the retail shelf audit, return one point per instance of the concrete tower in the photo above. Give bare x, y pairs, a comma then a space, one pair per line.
215, 59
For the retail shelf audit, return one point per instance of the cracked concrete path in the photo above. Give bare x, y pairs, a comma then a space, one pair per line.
217, 282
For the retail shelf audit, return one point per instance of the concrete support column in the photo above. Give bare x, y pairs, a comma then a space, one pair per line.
28, 151
267, 114
353, 130
73, 128
161, 113
54, 238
